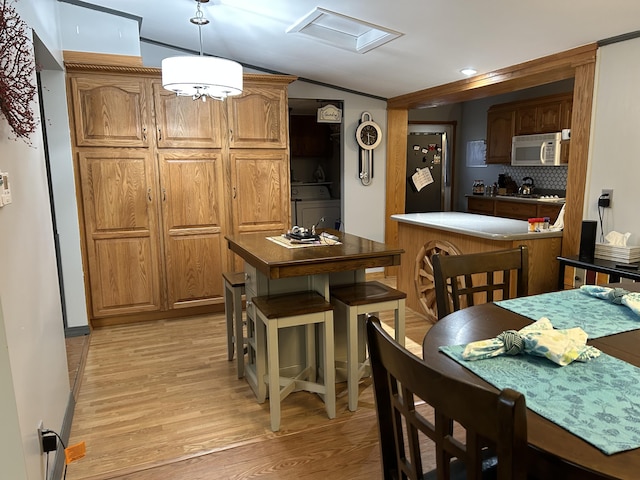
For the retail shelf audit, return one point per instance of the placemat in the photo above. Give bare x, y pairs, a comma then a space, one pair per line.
598, 401
573, 308
285, 242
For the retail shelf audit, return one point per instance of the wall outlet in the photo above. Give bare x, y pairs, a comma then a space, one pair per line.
610, 197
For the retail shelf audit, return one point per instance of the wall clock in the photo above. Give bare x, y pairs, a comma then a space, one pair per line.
368, 136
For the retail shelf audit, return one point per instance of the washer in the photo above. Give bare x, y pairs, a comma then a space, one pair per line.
312, 202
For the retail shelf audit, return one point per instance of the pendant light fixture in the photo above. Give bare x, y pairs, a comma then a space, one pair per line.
202, 76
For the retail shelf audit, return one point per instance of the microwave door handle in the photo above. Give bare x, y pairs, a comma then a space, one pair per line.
542, 152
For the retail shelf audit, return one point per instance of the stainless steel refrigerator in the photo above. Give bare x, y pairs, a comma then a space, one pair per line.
428, 173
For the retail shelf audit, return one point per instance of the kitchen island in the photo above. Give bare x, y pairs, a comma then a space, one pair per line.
471, 233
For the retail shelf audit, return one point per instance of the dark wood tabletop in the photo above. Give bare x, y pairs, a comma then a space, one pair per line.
554, 452
276, 261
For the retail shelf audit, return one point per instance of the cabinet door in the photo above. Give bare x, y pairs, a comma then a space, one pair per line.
258, 118
500, 130
185, 122
549, 117
110, 110
194, 226
260, 191
121, 230
526, 120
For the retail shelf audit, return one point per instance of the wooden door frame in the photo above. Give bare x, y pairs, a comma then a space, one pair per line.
578, 63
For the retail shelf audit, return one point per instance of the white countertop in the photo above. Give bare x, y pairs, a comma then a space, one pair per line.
484, 226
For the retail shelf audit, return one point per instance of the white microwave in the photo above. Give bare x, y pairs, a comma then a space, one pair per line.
536, 150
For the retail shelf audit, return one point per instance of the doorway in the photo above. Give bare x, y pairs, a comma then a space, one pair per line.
316, 159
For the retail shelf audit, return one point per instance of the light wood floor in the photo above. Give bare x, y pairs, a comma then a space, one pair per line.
160, 401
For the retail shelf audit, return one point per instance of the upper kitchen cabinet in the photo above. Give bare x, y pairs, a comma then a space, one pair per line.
500, 130
543, 115
258, 117
182, 122
526, 117
110, 110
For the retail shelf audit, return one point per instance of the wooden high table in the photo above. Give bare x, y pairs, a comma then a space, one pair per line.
271, 268
554, 453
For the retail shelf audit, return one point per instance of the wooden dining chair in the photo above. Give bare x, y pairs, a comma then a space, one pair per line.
466, 280
495, 423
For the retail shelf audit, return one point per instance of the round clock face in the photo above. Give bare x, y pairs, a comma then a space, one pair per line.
368, 135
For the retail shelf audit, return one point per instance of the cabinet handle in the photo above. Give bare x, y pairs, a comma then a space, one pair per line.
234, 192
144, 133
159, 134
231, 135
149, 194
164, 194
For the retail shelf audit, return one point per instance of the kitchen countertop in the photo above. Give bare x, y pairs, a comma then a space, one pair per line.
482, 226
514, 198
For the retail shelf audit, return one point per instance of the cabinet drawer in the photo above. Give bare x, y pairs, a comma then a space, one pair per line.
519, 211
480, 205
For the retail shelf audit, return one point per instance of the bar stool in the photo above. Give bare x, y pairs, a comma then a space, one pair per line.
352, 302
291, 310
233, 291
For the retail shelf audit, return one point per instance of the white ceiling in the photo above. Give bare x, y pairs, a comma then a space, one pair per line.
440, 37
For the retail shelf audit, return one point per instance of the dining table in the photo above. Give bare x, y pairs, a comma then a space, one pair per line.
554, 452
274, 265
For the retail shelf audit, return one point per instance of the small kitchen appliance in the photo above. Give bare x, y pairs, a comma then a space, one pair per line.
536, 150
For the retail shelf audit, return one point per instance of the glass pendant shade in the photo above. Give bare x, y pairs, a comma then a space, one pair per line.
201, 77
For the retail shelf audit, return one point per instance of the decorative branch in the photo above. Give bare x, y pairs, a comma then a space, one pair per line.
17, 69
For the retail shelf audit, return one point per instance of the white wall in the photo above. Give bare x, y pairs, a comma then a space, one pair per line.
615, 150
33, 372
86, 30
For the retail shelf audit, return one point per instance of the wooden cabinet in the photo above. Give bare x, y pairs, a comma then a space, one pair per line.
258, 117
194, 223
122, 237
110, 111
162, 179
545, 117
261, 193
517, 210
481, 205
500, 131
512, 208
183, 123
527, 117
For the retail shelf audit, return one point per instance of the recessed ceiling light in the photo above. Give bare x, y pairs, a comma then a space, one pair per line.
342, 31
468, 71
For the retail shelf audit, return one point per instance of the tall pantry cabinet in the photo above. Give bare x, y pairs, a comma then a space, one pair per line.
162, 179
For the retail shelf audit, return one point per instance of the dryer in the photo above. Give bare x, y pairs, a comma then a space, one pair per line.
311, 202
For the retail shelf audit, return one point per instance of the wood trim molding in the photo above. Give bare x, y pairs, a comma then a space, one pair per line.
71, 56
105, 63
552, 68
397, 128
578, 63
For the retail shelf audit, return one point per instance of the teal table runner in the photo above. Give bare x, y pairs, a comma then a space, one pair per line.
573, 308
598, 401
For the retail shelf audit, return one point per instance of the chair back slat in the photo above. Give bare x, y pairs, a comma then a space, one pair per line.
404, 386
463, 278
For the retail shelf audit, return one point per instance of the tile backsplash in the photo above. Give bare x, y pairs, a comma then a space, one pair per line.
548, 178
